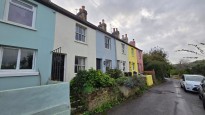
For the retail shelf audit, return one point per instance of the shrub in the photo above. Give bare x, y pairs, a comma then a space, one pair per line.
114, 73
88, 81
133, 82
121, 80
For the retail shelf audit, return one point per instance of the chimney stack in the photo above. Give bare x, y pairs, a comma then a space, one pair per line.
103, 25
116, 33
82, 13
132, 42
125, 39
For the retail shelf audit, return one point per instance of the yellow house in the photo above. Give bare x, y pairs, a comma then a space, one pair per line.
132, 57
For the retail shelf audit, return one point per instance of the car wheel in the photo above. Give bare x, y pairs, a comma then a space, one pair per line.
181, 86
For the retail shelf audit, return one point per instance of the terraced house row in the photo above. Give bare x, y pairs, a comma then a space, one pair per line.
35, 39
41, 42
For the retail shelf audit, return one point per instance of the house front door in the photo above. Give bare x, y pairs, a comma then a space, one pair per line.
58, 61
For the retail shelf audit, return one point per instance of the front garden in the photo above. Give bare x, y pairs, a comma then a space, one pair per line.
94, 92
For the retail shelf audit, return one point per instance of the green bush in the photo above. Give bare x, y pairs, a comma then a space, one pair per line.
114, 73
88, 81
133, 82
121, 80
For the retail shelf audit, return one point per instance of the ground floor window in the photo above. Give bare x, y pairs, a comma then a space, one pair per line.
12, 58
79, 63
123, 65
118, 64
108, 64
133, 66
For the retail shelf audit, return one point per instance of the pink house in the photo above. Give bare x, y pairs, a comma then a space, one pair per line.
139, 57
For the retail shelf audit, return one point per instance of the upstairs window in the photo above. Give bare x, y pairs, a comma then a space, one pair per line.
21, 12
80, 33
123, 48
132, 51
140, 54
16, 58
107, 43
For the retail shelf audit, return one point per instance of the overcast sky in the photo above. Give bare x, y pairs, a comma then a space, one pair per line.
169, 24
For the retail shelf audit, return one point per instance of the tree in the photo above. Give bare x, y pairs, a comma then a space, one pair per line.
197, 51
157, 59
198, 66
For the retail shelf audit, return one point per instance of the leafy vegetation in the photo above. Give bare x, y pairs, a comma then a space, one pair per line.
88, 81
114, 73
157, 59
196, 67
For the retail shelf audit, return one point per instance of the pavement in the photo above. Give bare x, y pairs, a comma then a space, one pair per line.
165, 99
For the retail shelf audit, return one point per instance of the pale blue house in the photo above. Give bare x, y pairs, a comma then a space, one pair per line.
105, 49
26, 42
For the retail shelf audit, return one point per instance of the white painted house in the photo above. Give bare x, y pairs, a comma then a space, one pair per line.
122, 56
77, 42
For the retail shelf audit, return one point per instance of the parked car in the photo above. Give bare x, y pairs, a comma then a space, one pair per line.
191, 82
202, 92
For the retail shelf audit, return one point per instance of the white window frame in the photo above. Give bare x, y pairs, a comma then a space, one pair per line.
78, 65
123, 65
107, 39
34, 10
110, 63
123, 48
118, 64
77, 32
139, 54
17, 71
132, 52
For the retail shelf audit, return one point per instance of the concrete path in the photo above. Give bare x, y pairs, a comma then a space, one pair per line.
165, 99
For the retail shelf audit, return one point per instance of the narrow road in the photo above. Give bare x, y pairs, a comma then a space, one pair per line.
165, 99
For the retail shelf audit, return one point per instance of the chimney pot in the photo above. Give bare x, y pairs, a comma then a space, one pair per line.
103, 20
122, 36
83, 7
113, 29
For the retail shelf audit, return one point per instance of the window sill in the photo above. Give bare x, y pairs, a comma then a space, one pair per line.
18, 25
17, 73
81, 42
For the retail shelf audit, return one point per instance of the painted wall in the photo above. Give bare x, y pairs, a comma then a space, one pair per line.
140, 61
122, 56
132, 59
65, 38
31, 100
41, 39
104, 53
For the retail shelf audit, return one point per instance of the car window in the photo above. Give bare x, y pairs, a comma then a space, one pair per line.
203, 81
194, 78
